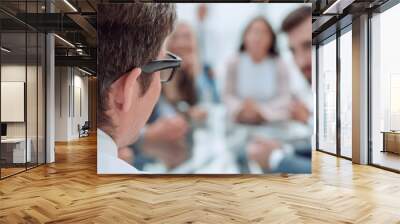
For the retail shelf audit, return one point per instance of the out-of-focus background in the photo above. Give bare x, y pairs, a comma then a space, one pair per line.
231, 107
224, 24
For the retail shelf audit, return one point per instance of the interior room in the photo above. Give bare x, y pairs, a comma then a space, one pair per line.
22, 100
49, 102
385, 72
26, 63
335, 101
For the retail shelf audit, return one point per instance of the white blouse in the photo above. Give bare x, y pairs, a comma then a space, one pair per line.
266, 82
257, 81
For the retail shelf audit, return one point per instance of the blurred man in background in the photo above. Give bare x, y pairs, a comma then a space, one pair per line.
298, 28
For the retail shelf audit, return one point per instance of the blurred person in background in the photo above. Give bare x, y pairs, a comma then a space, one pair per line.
271, 154
298, 28
187, 92
206, 43
257, 84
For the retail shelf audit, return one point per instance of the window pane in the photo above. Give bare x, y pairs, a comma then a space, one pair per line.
346, 94
386, 89
327, 96
14, 153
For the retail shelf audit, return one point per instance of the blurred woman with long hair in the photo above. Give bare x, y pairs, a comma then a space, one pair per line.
257, 83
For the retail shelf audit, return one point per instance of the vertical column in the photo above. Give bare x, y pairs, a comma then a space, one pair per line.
92, 99
338, 80
317, 106
360, 90
314, 91
50, 92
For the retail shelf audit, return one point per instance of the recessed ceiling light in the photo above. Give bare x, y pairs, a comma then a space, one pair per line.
70, 5
338, 6
5, 50
64, 40
84, 71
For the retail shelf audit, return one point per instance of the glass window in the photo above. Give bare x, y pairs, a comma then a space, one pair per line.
385, 84
15, 150
22, 92
327, 97
346, 94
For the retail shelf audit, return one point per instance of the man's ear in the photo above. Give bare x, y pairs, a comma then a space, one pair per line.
128, 89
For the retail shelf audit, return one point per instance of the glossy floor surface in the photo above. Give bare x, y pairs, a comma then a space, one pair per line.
70, 191
387, 159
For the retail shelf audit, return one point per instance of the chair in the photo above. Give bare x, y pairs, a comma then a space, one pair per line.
84, 130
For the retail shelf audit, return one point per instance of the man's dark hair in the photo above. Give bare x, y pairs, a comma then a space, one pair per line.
129, 36
295, 18
273, 50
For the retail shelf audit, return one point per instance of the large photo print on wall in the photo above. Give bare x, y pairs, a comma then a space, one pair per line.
199, 88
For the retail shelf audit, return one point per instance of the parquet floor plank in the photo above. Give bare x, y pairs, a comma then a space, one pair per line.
70, 191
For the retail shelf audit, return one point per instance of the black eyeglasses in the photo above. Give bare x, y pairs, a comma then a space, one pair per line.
166, 67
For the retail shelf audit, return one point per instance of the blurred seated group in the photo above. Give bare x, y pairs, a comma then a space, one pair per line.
256, 93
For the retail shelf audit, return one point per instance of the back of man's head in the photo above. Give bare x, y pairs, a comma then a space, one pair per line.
129, 36
296, 18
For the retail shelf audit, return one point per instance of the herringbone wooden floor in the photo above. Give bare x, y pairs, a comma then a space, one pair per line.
70, 191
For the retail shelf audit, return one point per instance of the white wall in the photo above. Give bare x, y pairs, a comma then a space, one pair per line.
79, 117
17, 73
61, 105
14, 73
33, 126
70, 83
